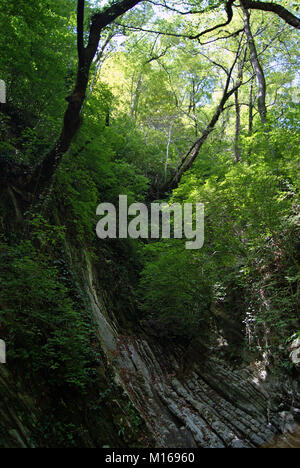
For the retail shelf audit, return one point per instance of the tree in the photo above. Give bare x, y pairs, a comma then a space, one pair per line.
86, 54
190, 157
257, 68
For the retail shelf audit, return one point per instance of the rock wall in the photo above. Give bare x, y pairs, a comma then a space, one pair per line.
210, 404
18, 412
213, 405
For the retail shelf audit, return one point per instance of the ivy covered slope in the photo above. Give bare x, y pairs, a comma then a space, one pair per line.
182, 103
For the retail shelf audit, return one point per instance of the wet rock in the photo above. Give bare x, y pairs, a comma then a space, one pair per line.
295, 352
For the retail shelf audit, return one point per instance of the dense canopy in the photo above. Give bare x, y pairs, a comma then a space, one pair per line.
177, 102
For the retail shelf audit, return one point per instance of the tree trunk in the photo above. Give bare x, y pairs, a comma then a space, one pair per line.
250, 124
136, 97
168, 148
189, 158
251, 106
237, 151
72, 119
257, 68
279, 10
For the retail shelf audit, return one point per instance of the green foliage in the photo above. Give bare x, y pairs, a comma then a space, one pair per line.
251, 246
95, 170
37, 62
175, 291
47, 333
149, 100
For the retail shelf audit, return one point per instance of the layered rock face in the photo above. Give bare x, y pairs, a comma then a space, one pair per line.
286, 440
18, 412
211, 405
185, 402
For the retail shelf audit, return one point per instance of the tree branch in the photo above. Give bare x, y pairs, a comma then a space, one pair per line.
180, 12
257, 67
43, 173
189, 158
228, 9
279, 10
229, 12
80, 31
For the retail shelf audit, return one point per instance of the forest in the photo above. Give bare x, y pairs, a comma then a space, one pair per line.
142, 342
